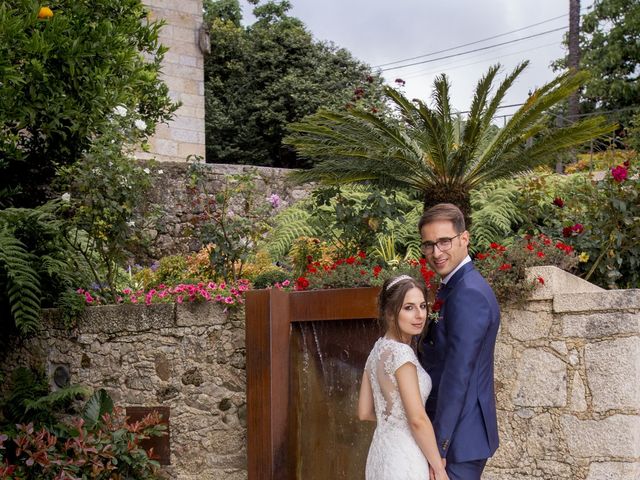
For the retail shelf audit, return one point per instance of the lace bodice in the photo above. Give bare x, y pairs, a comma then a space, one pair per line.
394, 453
385, 358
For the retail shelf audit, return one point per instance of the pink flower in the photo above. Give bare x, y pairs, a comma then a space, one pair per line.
228, 300
578, 228
286, 283
619, 173
179, 299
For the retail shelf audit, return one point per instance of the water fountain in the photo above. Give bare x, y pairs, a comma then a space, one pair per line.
305, 356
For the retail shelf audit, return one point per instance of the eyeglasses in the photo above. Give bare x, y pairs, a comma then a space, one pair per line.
443, 244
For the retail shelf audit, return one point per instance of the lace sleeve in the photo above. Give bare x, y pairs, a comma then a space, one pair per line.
402, 354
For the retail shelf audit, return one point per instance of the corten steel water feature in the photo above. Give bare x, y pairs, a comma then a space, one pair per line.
305, 355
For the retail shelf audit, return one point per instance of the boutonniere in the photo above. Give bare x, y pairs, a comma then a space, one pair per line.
434, 314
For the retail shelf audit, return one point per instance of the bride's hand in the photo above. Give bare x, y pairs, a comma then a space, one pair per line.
441, 473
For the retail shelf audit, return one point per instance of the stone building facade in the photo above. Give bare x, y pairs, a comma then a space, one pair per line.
183, 72
567, 380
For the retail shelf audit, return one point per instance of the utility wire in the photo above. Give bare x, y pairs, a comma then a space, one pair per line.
470, 43
453, 66
474, 50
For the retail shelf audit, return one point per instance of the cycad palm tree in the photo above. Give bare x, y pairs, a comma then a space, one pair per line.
428, 149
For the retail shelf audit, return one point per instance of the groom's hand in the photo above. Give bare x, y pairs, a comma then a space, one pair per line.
432, 474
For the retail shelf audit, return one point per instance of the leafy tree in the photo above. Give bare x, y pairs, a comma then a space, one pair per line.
261, 77
610, 52
61, 77
429, 150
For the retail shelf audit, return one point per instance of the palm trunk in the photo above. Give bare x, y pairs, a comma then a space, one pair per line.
460, 199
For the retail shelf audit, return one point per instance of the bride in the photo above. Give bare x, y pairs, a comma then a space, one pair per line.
394, 390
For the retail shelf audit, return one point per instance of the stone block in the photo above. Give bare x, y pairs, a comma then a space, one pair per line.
557, 282
206, 313
613, 373
616, 436
603, 301
524, 325
614, 471
541, 380
542, 440
578, 394
600, 324
186, 149
127, 318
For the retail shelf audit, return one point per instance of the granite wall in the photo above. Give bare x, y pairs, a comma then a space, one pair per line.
177, 206
567, 380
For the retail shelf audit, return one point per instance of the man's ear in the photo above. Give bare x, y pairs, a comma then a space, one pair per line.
465, 237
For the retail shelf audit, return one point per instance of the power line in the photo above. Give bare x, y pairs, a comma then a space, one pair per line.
474, 50
471, 43
453, 66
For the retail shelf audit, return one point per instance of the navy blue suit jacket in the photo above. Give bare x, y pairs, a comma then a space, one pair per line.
457, 352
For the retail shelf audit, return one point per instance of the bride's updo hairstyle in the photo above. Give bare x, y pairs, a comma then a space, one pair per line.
391, 299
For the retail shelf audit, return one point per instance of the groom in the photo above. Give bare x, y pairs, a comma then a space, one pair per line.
457, 350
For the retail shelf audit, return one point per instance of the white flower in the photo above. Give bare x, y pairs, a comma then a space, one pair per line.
131, 223
147, 171
160, 172
120, 110
140, 125
66, 197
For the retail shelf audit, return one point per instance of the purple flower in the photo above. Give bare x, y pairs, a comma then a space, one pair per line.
274, 200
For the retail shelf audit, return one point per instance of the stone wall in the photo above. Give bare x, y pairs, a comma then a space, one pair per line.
175, 231
183, 72
567, 380
190, 358
568, 384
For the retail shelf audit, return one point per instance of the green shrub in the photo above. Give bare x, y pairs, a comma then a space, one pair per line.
270, 277
63, 79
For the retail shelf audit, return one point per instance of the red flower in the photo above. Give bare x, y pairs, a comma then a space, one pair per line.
363, 272
362, 255
567, 232
482, 256
311, 269
302, 283
351, 260
558, 202
578, 228
627, 164
423, 262
504, 267
541, 280
619, 173
497, 246
530, 247
540, 254
427, 275
437, 305
309, 259
376, 270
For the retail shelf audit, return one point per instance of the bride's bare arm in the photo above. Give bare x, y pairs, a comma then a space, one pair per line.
366, 410
421, 428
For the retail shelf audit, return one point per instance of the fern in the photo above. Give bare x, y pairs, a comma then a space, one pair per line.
290, 224
22, 282
495, 213
56, 400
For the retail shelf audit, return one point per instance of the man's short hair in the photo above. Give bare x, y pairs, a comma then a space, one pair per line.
443, 211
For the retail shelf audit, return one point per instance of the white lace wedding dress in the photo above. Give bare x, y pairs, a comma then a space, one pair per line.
394, 454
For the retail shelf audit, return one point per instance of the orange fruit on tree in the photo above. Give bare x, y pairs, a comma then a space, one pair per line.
45, 12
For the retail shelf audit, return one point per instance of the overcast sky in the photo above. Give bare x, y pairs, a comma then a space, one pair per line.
381, 31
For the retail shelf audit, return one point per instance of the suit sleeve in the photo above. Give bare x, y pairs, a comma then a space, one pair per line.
468, 318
